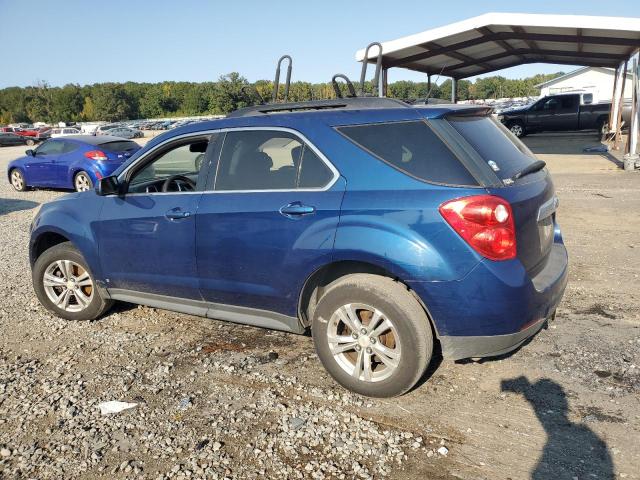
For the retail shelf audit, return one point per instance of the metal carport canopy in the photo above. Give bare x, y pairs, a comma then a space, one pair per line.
501, 40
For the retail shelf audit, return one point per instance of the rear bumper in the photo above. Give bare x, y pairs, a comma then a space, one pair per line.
496, 307
456, 348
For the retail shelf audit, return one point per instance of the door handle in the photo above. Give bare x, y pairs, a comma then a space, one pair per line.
177, 214
297, 209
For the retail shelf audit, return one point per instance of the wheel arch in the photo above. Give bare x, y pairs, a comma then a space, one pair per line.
314, 285
18, 167
44, 241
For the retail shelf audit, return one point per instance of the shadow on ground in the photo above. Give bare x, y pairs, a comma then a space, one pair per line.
572, 450
8, 205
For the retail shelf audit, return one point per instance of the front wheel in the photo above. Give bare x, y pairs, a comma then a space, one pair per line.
65, 286
17, 180
82, 182
372, 335
517, 129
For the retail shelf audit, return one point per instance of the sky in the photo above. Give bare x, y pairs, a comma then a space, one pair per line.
85, 42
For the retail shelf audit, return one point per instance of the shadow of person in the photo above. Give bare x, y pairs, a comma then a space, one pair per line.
572, 450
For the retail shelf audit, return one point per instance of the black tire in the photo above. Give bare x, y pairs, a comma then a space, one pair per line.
17, 180
517, 128
395, 302
66, 251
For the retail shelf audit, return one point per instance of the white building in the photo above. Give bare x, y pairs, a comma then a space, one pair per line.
596, 80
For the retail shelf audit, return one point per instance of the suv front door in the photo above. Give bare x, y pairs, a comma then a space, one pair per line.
267, 222
147, 235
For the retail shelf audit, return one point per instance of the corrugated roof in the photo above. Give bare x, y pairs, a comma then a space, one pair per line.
500, 40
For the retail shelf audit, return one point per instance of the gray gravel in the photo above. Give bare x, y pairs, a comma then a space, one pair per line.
216, 400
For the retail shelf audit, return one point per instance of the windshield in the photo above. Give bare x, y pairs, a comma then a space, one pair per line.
504, 153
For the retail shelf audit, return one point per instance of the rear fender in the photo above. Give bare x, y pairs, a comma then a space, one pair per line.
403, 251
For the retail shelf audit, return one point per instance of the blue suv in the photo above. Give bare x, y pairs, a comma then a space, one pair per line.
379, 227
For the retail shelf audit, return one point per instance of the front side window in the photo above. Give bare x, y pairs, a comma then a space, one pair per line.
176, 169
51, 147
413, 148
269, 160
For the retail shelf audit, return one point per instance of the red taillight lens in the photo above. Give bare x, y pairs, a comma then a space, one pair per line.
96, 155
485, 222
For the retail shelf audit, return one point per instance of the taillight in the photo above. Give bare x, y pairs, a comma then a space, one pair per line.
485, 222
96, 155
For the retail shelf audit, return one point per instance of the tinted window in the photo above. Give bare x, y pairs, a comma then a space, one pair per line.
50, 147
122, 146
69, 147
314, 173
494, 143
268, 160
413, 148
569, 101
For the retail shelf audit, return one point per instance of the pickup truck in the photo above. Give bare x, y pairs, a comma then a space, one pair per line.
562, 112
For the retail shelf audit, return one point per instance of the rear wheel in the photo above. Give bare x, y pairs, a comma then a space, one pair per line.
30, 142
65, 286
17, 180
517, 129
372, 335
603, 126
82, 182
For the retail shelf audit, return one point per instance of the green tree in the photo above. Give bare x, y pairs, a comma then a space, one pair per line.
111, 102
227, 95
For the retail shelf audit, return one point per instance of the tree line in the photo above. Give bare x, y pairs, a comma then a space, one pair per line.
131, 100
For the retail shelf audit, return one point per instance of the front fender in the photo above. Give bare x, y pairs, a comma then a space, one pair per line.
72, 218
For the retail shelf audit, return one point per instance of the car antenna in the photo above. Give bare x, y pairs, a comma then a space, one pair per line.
426, 100
336, 87
276, 82
365, 64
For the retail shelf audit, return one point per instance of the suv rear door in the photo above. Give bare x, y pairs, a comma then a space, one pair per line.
268, 220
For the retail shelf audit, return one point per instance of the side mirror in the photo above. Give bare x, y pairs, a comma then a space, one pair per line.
30, 153
108, 186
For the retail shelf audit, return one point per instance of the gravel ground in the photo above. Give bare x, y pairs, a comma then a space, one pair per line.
217, 400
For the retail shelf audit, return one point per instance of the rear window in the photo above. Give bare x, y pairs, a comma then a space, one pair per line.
504, 153
413, 148
119, 146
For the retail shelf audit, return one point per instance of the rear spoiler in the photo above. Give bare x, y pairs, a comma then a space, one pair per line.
476, 111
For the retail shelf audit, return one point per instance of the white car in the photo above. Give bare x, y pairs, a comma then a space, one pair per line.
63, 132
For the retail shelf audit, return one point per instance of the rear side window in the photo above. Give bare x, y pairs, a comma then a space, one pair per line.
269, 160
504, 153
123, 146
413, 148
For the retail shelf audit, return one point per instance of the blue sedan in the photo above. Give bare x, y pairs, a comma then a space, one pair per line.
74, 162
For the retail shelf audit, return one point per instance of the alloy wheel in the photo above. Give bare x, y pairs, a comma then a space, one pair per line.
68, 285
82, 183
17, 180
364, 342
516, 129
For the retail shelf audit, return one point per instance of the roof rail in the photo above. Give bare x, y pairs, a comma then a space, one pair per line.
336, 87
365, 64
349, 103
276, 82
